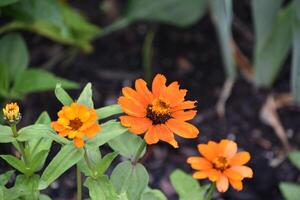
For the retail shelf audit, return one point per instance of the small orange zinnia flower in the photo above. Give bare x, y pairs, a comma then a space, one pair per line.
76, 122
160, 113
221, 164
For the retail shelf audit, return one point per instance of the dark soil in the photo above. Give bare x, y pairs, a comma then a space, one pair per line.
192, 57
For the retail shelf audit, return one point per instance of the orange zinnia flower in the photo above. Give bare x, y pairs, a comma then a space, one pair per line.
76, 122
221, 164
160, 113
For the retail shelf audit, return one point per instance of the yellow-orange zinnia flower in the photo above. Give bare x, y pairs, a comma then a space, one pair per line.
11, 112
76, 122
221, 164
160, 113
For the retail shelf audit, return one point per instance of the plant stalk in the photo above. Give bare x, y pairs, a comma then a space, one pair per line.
211, 191
21, 145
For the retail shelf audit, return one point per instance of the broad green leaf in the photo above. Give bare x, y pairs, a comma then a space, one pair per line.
62, 95
6, 135
15, 163
4, 80
30, 184
122, 196
100, 188
37, 160
38, 131
132, 179
108, 111
7, 2
109, 130
186, 186
105, 162
36, 80
126, 144
151, 194
86, 96
68, 156
44, 118
270, 57
295, 72
93, 157
290, 191
4, 178
221, 11
44, 197
294, 157
13, 55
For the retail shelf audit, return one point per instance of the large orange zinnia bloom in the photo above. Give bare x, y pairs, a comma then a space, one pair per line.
221, 164
76, 122
160, 113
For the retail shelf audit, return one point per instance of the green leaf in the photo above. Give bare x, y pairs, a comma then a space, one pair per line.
132, 179
44, 197
221, 11
36, 80
13, 54
30, 184
290, 191
110, 130
151, 194
186, 186
6, 135
86, 96
270, 56
4, 80
93, 155
295, 72
38, 131
294, 157
100, 188
126, 144
7, 2
44, 118
37, 160
15, 163
62, 95
4, 178
68, 156
105, 162
108, 111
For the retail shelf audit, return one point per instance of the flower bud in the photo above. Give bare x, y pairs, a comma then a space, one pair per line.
12, 113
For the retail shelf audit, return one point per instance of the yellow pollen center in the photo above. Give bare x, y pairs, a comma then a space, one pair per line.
160, 107
221, 163
158, 112
75, 123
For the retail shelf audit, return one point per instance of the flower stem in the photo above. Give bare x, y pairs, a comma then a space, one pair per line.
21, 145
139, 151
211, 191
79, 188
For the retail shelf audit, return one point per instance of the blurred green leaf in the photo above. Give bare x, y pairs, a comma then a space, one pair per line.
62, 95
44, 197
126, 144
110, 130
105, 162
15, 163
68, 156
100, 188
30, 184
271, 53
86, 96
37, 160
93, 155
132, 179
7, 2
187, 187
290, 191
295, 72
6, 135
4, 81
294, 157
44, 118
13, 55
221, 11
4, 178
36, 80
108, 111
150, 194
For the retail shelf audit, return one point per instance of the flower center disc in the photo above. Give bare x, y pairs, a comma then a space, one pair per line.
158, 112
75, 123
221, 163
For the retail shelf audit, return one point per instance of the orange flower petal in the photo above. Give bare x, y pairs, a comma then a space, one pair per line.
227, 148
151, 136
183, 129
136, 125
79, 143
135, 97
200, 175
222, 184
92, 131
57, 126
158, 84
173, 143
243, 171
174, 94
184, 116
131, 108
240, 158
142, 89
184, 106
213, 175
199, 163
208, 150
236, 184
164, 133
233, 174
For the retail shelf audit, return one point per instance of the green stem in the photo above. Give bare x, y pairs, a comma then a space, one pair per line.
88, 162
139, 151
211, 191
21, 145
148, 53
79, 188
